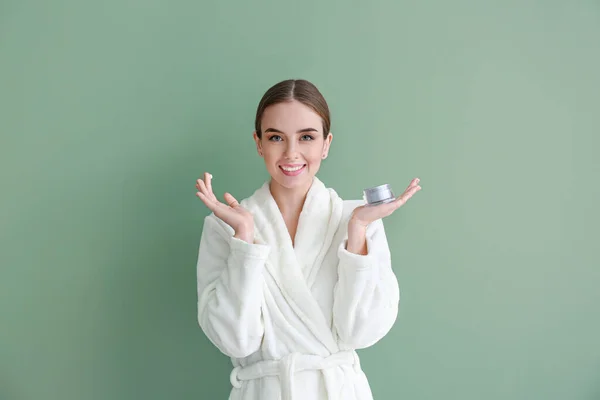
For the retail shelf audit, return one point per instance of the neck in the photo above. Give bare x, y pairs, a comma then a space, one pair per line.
289, 201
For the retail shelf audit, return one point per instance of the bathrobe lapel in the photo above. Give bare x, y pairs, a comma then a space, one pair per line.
294, 267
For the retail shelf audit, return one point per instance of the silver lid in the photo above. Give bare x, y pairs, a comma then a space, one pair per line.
379, 188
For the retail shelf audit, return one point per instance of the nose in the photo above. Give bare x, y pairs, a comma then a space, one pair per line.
290, 150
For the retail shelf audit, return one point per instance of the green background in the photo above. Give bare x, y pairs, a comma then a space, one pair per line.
109, 111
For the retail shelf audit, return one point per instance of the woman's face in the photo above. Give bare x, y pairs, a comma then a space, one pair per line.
292, 138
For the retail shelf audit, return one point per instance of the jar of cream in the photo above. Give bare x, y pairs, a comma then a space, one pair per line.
378, 195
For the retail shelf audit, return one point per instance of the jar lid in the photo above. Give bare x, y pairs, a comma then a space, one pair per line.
379, 188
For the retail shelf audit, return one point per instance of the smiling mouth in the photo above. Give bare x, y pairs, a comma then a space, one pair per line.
293, 172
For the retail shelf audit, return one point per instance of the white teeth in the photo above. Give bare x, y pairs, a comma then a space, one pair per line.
292, 169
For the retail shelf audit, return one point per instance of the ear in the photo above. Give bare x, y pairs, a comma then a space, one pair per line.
327, 145
258, 144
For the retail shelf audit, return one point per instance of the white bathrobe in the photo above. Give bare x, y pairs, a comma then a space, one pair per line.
291, 316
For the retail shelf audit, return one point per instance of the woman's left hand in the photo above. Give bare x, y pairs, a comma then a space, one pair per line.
366, 214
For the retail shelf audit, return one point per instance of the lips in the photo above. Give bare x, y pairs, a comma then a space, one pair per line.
293, 173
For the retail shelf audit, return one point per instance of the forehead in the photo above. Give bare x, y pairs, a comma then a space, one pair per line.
290, 117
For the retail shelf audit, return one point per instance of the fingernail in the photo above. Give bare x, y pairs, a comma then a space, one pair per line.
210, 176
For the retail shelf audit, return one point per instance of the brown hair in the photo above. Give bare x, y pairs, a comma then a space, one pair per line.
294, 89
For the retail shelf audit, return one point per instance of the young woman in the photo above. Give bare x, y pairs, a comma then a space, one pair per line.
293, 279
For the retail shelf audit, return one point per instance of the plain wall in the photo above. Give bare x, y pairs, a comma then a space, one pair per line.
110, 110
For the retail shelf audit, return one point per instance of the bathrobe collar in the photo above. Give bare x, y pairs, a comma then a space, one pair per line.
294, 267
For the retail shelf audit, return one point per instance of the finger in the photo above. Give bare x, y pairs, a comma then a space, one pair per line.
207, 202
201, 187
412, 189
406, 195
229, 199
208, 181
402, 199
413, 183
208, 193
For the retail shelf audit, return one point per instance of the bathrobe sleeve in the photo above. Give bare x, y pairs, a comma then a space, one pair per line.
230, 289
366, 295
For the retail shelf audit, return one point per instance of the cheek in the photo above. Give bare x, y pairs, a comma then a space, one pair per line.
271, 158
268, 153
315, 156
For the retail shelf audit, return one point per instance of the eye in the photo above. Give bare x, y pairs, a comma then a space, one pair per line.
277, 138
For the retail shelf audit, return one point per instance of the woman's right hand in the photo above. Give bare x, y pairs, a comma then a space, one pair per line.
232, 213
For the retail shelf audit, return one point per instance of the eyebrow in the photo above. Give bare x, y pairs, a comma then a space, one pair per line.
300, 131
